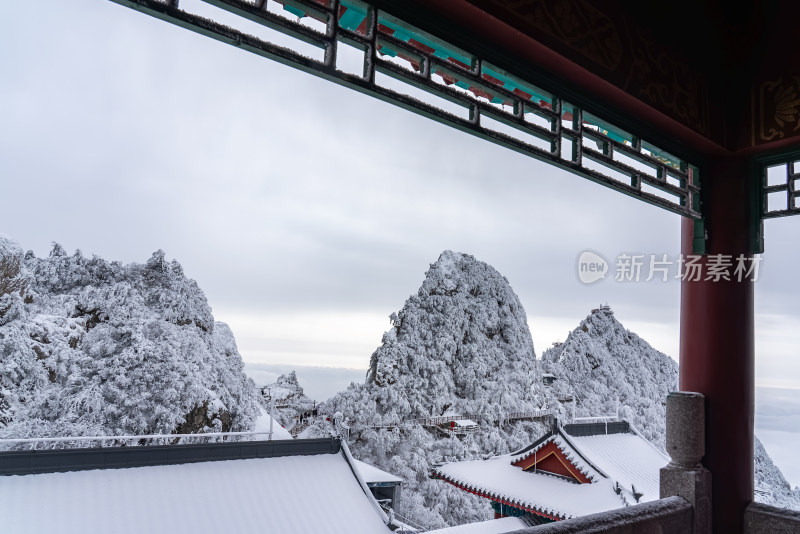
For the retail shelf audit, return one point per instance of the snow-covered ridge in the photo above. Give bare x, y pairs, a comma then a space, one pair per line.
601, 362
292, 408
461, 343
92, 347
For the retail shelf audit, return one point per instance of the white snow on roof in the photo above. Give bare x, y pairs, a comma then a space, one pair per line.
546, 493
262, 425
627, 459
465, 422
606, 459
371, 474
493, 526
290, 494
570, 452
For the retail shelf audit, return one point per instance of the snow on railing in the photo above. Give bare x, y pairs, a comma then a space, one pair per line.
427, 421
444, 419
404, 524
129, 440
595, 419
534, 414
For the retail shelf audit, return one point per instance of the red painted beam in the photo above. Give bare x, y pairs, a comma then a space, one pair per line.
717, 345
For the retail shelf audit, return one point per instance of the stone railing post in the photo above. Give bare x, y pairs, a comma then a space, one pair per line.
684, 476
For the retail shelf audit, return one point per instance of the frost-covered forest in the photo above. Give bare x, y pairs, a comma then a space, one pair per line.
92, 347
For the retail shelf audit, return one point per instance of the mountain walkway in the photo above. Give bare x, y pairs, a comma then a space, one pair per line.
444, 419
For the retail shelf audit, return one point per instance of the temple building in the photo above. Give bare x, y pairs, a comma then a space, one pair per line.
573, 470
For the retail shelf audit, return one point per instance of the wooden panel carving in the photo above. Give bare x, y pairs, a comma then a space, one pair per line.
615, 48
666, 83
577, 24
776, 110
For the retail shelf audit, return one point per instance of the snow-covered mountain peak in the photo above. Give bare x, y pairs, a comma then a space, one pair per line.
601, 362
462, 339
289, 402
286, 386
449, 268
89, 346
459, 272
595, 336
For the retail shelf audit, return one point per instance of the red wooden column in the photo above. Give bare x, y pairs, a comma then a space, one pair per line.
717, 348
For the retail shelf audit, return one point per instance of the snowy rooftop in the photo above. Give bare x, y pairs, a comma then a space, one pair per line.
606, 460
465, 423
497, 478
288, 494
627, 459
372, 475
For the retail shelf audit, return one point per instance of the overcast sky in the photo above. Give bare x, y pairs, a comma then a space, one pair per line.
308, 212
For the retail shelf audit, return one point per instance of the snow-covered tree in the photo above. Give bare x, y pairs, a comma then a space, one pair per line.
95, 347
460, 344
